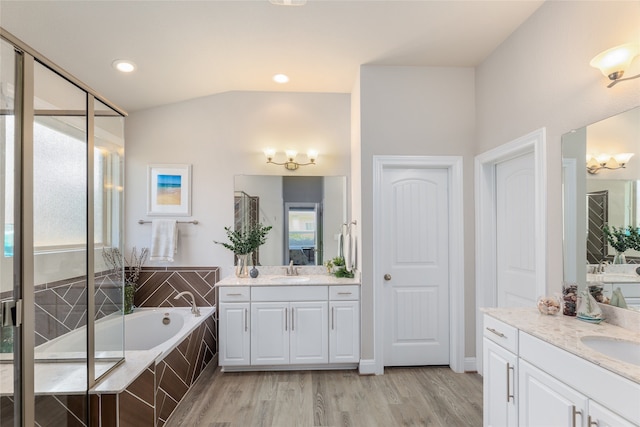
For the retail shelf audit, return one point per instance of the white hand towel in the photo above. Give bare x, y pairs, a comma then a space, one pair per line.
164, 239
347, 251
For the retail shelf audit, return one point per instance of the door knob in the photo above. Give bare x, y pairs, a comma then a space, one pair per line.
387, 277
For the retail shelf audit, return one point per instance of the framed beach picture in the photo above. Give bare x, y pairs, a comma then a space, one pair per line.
169, 190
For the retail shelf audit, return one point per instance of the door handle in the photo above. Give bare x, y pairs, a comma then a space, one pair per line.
387, 277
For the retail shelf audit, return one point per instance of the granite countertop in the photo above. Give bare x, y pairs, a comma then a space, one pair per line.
565, 332
282, 280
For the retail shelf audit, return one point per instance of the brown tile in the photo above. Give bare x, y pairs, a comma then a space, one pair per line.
172, 384
109, 410
195, 281
6, 411
167, 407
144, 386
134, 412
179, 363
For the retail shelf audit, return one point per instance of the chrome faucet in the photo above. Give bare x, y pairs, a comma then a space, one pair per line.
194, 309
291, 270
602, 266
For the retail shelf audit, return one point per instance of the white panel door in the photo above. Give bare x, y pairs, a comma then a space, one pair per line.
515, 232
309, 332
415, 236
269, 333
344, 332
234, 334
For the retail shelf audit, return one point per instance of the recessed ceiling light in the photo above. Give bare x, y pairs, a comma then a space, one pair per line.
281, 78
288, 2
123, 65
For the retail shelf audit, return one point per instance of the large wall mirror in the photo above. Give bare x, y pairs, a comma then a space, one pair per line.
595, 196
306, 213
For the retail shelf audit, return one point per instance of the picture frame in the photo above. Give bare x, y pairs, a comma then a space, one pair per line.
169, 189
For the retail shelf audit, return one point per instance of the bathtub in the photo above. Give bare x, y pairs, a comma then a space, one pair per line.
153, 329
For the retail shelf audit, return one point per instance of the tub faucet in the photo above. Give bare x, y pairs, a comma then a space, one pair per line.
194, 309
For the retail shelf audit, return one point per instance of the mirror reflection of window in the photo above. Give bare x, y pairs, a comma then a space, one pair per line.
302, 233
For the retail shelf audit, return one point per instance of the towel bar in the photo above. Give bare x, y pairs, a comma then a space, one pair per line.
194, 222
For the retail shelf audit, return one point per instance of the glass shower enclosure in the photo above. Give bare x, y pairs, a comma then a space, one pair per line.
62, 325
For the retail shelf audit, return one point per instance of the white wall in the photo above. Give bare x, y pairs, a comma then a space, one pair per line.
414, 111
540, 77
222, 136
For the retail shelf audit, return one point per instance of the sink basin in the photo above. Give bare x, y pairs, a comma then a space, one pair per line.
612, 278
290, 279
625, 351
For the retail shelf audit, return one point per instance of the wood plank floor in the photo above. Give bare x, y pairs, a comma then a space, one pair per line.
425, 396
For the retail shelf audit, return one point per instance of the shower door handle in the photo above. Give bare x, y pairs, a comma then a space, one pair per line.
11, 313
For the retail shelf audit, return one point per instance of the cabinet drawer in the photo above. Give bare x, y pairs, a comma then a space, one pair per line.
501, 333
289, 293
234, 293
347, 292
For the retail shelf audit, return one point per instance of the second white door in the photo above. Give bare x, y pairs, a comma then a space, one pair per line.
415, 236
515, 232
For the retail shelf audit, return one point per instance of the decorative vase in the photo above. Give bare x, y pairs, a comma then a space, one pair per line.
619, 258
254, 272
129, 293
242, 265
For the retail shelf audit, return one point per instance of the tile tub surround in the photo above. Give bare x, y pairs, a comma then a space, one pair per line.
61, 306
565, 332
158, 285
154, 394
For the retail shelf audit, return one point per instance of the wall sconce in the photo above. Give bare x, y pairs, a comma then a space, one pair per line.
291, 164
615, 61
607, 161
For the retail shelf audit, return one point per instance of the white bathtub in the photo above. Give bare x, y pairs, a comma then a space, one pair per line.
144, 329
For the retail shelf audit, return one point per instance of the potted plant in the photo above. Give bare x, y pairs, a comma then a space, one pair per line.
621, 239
126, 270
243, 242
337, 267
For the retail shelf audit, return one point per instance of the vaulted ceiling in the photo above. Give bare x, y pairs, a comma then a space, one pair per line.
188, 49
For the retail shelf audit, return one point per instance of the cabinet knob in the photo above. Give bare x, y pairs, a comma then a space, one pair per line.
387, 277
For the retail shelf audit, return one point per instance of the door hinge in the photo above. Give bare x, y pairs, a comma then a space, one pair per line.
11, 313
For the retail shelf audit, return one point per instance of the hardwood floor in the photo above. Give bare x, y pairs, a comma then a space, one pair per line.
425, 396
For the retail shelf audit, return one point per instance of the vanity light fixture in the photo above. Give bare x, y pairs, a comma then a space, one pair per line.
607, 161
291, 164
615, 61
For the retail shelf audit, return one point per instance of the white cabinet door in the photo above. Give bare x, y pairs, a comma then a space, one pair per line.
269, 333
500, 385
344, 332
308, 335
545, 401
602, 417
234, 334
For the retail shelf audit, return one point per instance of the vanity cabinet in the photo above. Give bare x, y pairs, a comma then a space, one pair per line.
545, 401
500, 368
271, 327
530, 382
344, 328
286, 333
233, 330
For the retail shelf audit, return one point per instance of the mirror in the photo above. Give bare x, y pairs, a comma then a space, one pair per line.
594, 198
306, 213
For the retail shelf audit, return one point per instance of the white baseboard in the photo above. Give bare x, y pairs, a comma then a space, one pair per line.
367, 367
470, 364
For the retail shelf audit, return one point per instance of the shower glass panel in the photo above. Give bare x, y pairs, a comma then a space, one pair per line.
9, 292
60, 247
108, 179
